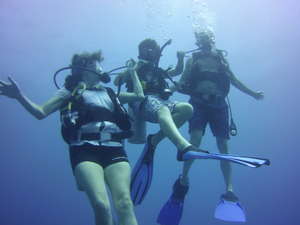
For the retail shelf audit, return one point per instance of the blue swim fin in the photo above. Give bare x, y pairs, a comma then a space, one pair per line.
141, 176
171, 212
192, 153
230, 210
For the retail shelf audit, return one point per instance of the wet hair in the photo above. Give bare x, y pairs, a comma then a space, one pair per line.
147, 44
81, 60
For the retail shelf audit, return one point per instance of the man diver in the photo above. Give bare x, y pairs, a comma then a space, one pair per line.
157, 108
206, 79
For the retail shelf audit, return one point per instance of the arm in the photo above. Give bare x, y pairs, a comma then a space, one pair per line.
121, 78
239, 85
187, 71
185, 76
138, 93
38, 111
179, 66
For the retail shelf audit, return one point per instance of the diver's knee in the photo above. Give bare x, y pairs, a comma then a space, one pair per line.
163, 113
99, 203
101, 207
222, 145
123, 203
185, 109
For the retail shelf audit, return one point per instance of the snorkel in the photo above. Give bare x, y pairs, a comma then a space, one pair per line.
161, 50
168, 42
167, 91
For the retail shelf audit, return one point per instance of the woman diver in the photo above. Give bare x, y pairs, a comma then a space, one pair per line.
94, 126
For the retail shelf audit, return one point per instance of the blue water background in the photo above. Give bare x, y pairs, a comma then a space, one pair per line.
262, 38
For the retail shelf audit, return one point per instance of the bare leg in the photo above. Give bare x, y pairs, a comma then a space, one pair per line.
90, 177
118, 178
169, 124
196, 138
225, 166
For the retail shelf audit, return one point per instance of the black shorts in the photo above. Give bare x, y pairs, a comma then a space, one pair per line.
102, 155
217, 118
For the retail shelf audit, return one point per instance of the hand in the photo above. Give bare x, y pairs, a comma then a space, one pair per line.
259, 95
11, 89
142, 62
180, 55
131, 65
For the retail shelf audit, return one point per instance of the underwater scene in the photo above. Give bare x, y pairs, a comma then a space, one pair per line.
92, 93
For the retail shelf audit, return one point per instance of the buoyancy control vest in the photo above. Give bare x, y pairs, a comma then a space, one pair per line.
152, 79
220, 77
78, 113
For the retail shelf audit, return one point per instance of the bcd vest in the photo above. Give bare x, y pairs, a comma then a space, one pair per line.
152, 79
76, 114
220, 78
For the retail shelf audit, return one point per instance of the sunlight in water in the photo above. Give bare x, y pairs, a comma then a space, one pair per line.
160, 16
201, 17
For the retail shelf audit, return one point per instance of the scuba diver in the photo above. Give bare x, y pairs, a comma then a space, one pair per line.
94, 124
157, 108
206, 79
